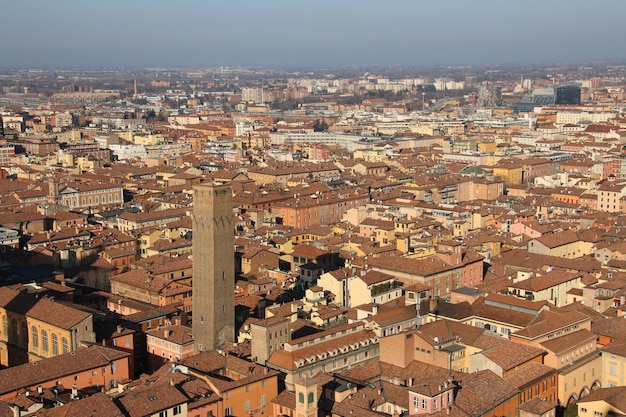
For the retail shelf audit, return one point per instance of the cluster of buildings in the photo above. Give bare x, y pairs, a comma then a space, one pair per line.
340, 259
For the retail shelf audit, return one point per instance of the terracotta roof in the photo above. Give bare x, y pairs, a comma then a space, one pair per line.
537, 406
289, 360
509, 355
95, 405
483, 391
547, 280
566, 342
549, 321
615, 396
56, 314
32, 374
151, 401
178, 334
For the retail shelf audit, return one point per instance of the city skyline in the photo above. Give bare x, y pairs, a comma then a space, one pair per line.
292, 34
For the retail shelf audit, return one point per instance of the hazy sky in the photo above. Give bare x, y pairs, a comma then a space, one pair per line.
295, 33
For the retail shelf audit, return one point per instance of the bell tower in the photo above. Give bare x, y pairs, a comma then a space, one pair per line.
306, 398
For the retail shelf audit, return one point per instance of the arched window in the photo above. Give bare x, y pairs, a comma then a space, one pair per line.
301, 398
44, 340
64, 346
311, 398
55, 344
5, 327
35, 333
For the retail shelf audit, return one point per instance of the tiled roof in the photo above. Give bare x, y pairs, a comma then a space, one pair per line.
32, 374
509, 355
56, 314
549, 321
546, 280
554, 240
500, 314
150, 401
615, 396
482, 391
141, 278
374, 277
178, 334
292, 360
95, 405
566, 342
537, 406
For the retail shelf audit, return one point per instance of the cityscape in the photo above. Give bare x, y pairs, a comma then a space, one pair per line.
323, 216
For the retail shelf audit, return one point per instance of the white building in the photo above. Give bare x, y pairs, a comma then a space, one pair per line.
254, 95
128, 152
575, 117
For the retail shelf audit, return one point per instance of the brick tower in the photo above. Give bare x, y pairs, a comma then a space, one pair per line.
213, 267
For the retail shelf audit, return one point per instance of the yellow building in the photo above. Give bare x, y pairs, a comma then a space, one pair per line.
614, 365
603, 402
55, 329
511, 174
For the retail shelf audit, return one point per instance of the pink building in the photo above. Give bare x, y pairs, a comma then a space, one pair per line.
168, 344
431, 396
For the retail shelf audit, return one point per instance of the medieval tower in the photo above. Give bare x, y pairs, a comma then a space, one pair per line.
213, 267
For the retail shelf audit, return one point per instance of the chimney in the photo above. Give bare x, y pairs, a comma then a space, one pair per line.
119, 328
374, 309
166, 334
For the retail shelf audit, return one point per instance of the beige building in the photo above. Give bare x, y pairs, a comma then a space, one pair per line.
552, 286
614, 365
268, 336
341, 347
563, 244
603, 402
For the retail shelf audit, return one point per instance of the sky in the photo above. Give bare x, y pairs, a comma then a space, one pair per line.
299, 34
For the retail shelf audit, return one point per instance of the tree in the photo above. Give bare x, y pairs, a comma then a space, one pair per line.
320, 126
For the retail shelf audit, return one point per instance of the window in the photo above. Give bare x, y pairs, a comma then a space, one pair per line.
55, 344
24, 334
301, 398
311, 398
423, 404
5, 326
263, 399
248, 406
163, 413
44, 340
612, 368
35, 334
228, 411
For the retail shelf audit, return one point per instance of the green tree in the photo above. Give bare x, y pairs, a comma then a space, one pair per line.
320, 126
150, 115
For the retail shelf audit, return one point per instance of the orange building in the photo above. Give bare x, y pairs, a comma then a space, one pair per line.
245, 388
86, 368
